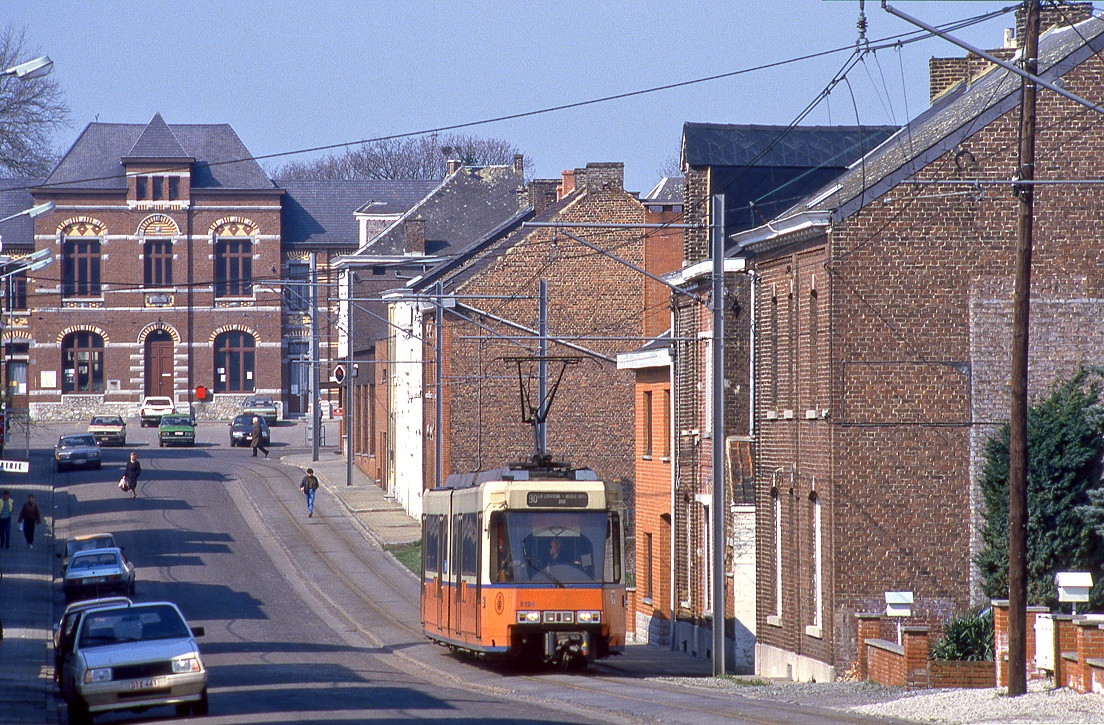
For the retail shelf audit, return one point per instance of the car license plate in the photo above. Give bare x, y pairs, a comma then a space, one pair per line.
179, 433
96, 580
148, 683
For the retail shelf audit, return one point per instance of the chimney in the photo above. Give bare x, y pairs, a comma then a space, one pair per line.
542, 194
414, 236
602, 177
452, 166
944, 74
519, 164
1051, 17
567, 185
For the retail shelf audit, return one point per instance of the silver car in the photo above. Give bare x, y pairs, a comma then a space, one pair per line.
133, 657
97, 573
80, 449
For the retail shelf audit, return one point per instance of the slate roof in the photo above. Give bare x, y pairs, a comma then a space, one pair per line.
323, 211
669, 190
715, 144
95, 159
951, 120
15, 196
465, 206
157, 142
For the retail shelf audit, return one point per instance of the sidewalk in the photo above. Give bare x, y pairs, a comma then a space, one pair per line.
27, 611
382, 518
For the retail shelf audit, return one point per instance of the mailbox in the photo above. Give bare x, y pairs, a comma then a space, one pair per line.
898, 604
1073, 586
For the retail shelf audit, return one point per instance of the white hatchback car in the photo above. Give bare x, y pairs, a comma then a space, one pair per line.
134, 657
153, 408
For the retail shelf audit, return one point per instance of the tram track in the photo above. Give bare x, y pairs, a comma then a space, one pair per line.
638, 696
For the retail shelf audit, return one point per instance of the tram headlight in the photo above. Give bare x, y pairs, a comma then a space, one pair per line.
592, 616
528, 617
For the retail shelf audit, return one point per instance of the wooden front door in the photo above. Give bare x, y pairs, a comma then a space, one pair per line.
159, 364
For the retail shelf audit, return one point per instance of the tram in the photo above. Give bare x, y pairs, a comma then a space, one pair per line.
524, 563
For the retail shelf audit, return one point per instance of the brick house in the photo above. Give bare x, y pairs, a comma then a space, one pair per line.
401, 240
650, 615
882, 365
491, 316
161, 234
759, 170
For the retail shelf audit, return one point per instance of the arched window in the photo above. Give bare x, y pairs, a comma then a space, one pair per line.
234, 362
82, 369
80, 268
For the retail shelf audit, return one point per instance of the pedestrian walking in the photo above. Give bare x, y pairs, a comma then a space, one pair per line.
131, 473
28, 517
308, 486
7, 508
256, 438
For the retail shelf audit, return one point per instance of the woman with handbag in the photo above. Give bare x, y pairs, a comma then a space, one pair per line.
130, 475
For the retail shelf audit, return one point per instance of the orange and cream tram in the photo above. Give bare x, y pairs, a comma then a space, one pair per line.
525, 562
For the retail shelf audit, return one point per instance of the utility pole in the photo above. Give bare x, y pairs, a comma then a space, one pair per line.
315, 391
542, 370
718, 512
1021, 310
439, 382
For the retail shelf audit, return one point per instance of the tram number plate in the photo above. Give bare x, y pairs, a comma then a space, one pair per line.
147, 684
557, 499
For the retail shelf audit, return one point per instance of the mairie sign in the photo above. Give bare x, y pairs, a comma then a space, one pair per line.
15, 466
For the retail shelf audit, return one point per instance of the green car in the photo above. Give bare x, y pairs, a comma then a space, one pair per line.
176, 430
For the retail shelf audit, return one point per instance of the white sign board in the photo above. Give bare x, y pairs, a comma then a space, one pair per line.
898, 604
1073, 586
15, 466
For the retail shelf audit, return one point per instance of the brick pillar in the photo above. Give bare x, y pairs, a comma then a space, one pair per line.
1032, 613
1090, 644
1000, 640
870, 627
1065, 640
914, 640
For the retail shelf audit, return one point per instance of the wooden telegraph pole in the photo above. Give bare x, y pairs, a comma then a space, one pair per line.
1021, 307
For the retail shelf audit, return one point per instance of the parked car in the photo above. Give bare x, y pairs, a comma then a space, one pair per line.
77, 449
134, 657
108, 429
153, 408
241, 430
84, 542
65, 630
261, 406
176, 430
97, 573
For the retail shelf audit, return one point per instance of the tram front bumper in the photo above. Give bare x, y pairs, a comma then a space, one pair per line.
557, 645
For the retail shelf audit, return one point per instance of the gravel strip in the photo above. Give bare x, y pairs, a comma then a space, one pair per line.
1041, 704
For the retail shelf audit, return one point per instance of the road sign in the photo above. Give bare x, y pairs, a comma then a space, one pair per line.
338, 374
15, 466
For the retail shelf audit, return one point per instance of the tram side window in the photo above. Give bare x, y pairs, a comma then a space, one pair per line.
468, 559
502, 565
613, 549
431, 541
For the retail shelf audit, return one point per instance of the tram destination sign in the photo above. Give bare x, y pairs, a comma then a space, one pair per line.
557, 499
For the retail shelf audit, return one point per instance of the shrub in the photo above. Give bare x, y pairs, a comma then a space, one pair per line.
967, 637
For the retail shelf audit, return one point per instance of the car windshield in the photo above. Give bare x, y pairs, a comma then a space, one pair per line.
258, 402
85, 440
107, 420
158, 401
99, 542
93, 561
176, 420
131, 624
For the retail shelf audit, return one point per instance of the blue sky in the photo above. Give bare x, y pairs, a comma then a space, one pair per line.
295, 75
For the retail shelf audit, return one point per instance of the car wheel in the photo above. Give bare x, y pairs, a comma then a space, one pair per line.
78, 713
130, 589
98, 465
162, 444
200, 709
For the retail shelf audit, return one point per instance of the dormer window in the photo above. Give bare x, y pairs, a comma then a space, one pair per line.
156, 187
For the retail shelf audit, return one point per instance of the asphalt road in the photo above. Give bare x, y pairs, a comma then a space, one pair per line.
307, 620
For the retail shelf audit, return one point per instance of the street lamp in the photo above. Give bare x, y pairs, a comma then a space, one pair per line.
37, 68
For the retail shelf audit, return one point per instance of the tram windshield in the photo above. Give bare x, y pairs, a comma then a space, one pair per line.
556, 547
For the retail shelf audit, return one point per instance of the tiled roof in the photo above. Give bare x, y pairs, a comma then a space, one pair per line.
951, 120
95, 159
464, 207
15, 196
714, 144
669, 190
157, 142
323, 211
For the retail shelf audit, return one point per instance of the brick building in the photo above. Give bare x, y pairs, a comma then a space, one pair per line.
651, 614
882, 364
759, 170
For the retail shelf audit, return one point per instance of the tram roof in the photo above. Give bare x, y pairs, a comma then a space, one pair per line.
520, 473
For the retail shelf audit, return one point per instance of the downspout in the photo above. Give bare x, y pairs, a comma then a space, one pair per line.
751, 357
676, 443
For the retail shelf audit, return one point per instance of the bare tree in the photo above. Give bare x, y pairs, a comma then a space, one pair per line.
416, 157
671, 167
30, 112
